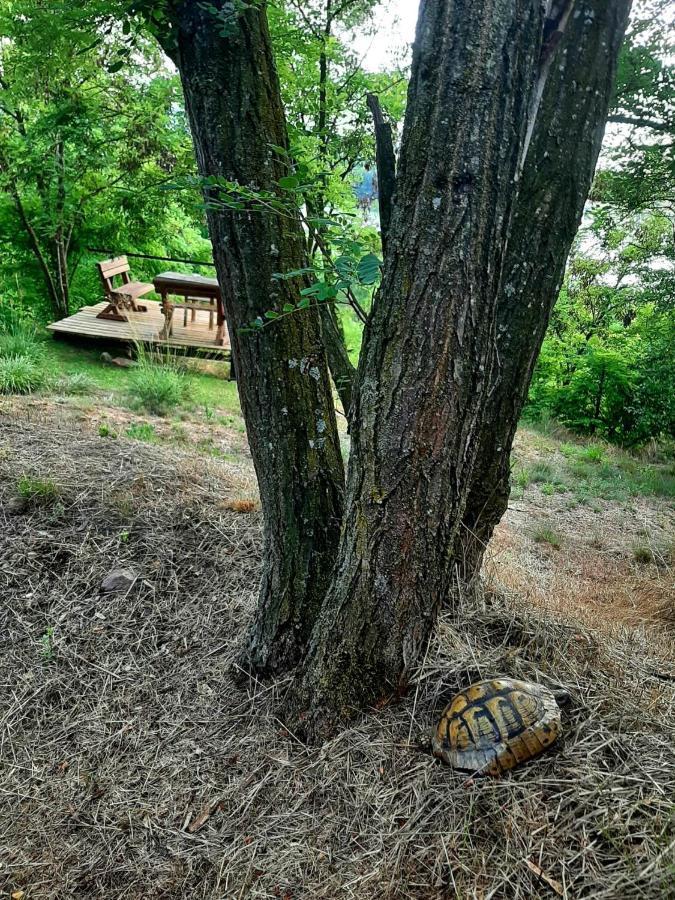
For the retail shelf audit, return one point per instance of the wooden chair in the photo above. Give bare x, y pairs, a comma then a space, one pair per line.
123, 296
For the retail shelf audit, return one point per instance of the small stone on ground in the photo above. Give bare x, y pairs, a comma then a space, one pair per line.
118, 580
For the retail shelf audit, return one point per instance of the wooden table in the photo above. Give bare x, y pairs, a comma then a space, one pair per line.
190, 293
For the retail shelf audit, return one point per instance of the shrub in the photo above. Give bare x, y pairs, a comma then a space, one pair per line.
20, 375
157, 389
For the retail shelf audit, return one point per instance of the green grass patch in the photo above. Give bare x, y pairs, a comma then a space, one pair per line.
78, 383
20, 375
205, 390
598, 470
39, 491
613, 480
157, 389
142, 431
546, 535
593, 453
19, 344
541, 472
353, 332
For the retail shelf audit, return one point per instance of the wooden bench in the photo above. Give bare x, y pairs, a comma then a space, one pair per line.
121, 297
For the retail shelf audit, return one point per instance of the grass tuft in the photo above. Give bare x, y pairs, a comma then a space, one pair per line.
546, 535
158, 388
20, 343
38, 491
142, 431
20, 375
79, 383
643, 554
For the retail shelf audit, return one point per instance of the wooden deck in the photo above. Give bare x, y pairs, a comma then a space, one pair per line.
143, 328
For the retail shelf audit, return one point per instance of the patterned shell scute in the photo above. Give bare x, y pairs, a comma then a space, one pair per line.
494, 725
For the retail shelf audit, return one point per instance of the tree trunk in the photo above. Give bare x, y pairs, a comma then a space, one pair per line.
11, 187
597, 406
556, 180
428, 350
234, 107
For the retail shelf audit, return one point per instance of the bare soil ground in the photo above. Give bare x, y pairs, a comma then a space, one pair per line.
136, 763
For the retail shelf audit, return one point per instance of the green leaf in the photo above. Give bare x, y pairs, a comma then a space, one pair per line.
271, 314
326, 223
326, 291
346, 266
368, 269
294, 273
289, 182
282, 151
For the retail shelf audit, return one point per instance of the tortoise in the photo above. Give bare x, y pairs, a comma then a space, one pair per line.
494, 725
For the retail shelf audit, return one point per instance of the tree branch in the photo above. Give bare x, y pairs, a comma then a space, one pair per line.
639, 122
557, 16
386, 166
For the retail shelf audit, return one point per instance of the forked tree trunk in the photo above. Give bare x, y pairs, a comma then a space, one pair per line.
556, 180
428, 350
234, 107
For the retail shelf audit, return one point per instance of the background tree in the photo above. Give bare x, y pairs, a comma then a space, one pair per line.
88, 134
605, 367
324, 88
606, 349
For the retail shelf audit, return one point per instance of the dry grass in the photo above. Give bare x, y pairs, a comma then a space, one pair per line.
133, 764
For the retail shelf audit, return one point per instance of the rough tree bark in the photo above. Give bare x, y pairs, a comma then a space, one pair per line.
425, 368
236, 116
556, 180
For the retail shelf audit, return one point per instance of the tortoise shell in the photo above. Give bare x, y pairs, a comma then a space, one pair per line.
494, 725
